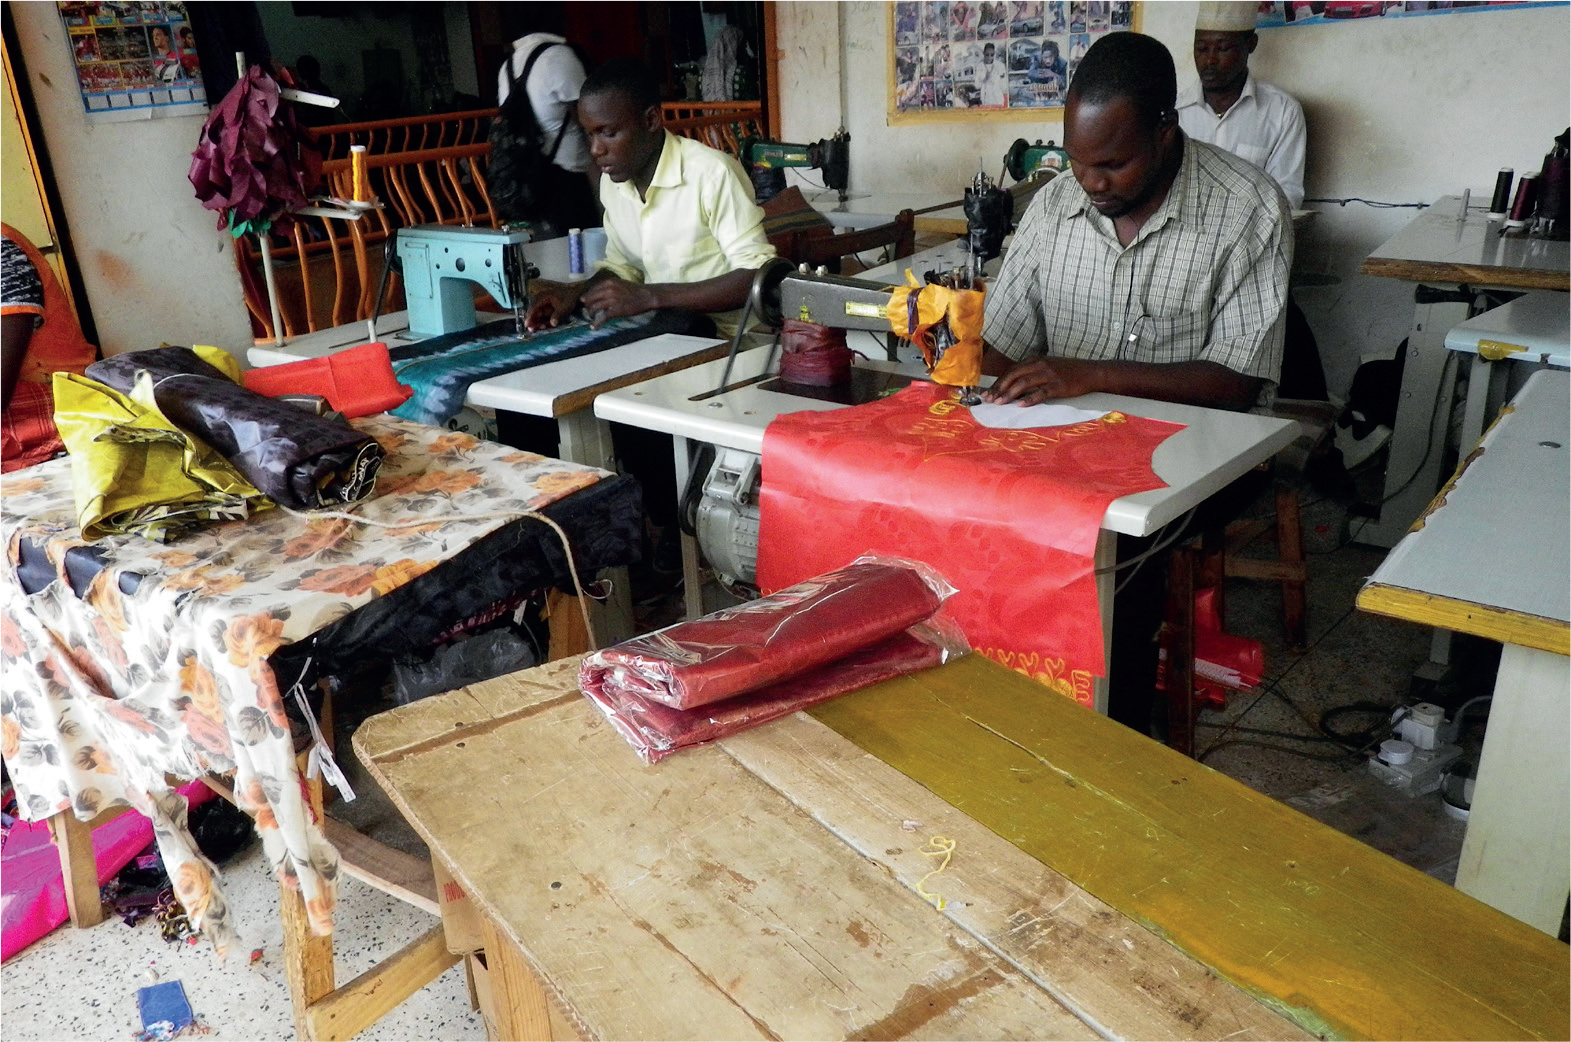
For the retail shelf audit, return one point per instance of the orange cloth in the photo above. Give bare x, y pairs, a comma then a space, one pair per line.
27, 429
913, 312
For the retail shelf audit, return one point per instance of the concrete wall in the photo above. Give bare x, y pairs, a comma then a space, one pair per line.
1399, 111
155, 268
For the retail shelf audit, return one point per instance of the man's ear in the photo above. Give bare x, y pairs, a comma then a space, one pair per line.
654, 117
1253, 41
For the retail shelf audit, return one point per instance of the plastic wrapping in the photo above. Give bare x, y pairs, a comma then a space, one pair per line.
656, 731
298, 460
756, 644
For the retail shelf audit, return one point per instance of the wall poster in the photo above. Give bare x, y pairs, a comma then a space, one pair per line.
1312, 12
956, 60
134, 59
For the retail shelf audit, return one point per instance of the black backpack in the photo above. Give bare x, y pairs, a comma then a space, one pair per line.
523, 178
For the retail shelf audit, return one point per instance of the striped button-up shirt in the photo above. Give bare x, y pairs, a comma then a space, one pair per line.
1205, 278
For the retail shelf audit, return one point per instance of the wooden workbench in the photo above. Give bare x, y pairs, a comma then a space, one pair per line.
770, 885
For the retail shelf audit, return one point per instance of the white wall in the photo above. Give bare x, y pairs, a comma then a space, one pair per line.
155, 267
1399, 111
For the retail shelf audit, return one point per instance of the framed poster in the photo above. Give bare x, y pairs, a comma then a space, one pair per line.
1312, 12
953, 60
134, 60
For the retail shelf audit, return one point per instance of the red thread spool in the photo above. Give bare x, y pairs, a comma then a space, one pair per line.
1526, 202
814, 355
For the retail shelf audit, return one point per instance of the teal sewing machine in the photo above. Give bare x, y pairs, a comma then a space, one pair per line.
439, 263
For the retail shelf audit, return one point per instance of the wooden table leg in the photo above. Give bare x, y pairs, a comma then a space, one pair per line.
519, 1010
78, 867
1181, 651
308, 959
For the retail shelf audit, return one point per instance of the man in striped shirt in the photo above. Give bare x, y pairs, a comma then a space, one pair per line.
1159, 270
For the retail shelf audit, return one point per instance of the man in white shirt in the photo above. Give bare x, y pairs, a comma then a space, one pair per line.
1261, 124
553, 86
1237, 111
990, 77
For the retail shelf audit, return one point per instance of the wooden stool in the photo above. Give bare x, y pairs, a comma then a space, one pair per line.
1208, 561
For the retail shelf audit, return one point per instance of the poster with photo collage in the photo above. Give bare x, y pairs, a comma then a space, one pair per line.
997, 57
134, 60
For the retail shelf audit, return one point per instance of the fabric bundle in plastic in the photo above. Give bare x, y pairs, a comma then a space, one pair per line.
697, 681
298, 460
813, 354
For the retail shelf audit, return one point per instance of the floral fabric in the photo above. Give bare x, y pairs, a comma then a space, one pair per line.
106, 692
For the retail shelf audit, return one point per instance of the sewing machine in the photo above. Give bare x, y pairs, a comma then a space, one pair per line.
439, 263
766, 162
1023, 161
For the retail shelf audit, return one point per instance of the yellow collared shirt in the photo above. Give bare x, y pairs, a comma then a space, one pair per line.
698, 222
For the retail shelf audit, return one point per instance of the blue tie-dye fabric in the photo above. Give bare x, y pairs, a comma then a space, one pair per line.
441, 369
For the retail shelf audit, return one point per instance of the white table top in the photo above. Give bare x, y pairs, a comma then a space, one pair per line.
1215, 448
536, 391
1474, 248
870, 209
1537, 323
1498, 536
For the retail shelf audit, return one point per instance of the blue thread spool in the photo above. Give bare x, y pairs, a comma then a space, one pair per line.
575, 251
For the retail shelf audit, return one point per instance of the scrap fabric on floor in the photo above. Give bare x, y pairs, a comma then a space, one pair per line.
1009, 516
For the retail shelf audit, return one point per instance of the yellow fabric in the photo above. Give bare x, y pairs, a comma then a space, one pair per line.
134, 470
221, 360
961, 364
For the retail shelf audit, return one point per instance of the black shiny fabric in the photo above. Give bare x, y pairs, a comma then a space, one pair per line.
604, 524
297, 459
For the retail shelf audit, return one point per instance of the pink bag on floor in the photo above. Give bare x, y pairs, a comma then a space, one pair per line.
32, 888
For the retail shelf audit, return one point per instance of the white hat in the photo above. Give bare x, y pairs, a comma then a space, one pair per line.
1225, 17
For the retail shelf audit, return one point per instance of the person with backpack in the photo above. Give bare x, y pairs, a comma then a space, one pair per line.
540, 172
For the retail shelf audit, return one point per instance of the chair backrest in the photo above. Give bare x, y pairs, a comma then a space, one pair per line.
801, 234
718, 124
327, 268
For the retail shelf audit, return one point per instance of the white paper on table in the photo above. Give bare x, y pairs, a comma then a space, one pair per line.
1018, 417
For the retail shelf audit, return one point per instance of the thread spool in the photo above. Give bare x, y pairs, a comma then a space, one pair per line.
1501, 200
814, 355
575, 251
1526, 201
359, 175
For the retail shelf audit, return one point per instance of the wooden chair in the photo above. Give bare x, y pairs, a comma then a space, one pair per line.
1215, 557
327, 268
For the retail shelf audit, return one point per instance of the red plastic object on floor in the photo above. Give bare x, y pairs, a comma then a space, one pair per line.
1223, 662
356, 382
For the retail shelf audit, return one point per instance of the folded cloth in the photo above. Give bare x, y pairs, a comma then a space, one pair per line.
656, 731
135, 472
358, 381
756, 644
297, 459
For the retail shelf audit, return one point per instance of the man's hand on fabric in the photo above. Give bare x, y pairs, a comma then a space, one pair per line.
553, 303
617, 298
1043, 379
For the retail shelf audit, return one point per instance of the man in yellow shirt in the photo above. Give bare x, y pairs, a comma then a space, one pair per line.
682, 229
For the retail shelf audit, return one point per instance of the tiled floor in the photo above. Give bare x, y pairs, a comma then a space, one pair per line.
82, 984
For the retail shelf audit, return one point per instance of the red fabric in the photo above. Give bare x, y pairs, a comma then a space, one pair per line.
27, 429
656, 731
1010, 517
758, 643
357, 382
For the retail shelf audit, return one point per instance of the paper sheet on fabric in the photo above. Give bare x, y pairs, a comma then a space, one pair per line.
1023, 417
1010, 517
